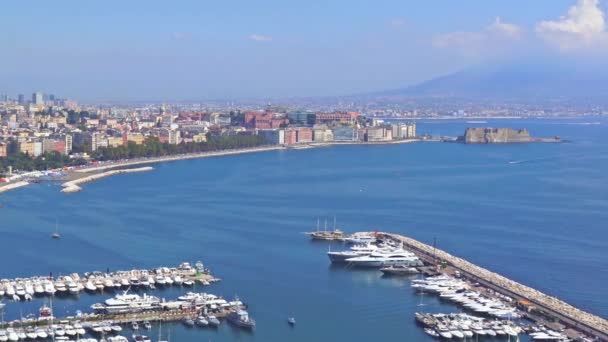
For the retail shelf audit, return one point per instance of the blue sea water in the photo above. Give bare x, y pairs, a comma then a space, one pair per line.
536, 213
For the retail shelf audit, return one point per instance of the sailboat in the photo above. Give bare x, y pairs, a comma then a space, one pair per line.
56, 233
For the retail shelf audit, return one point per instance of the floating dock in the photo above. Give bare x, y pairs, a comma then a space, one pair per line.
541, 307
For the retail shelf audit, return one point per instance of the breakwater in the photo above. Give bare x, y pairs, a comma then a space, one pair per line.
11, 186
551, 306
74, 185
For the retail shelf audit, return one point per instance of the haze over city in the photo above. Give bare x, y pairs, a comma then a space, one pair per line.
192, 50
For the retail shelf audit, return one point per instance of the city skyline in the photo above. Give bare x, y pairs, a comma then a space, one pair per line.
193, 51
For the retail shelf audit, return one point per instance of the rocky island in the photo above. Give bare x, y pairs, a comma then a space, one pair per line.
485, 135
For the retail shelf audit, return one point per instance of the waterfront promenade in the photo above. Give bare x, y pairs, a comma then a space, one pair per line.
553, 307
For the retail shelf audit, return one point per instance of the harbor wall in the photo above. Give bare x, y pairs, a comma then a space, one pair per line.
73, 186
566, 313
11, 186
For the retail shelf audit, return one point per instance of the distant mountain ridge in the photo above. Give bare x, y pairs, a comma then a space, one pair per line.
515, 81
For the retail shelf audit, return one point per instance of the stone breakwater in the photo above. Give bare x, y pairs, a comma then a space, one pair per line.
535, 296
11, 186
73, 186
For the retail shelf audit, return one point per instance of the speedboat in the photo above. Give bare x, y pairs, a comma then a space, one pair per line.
89, 286
399, 270
189, 322
213, 321
141, 338
202, 321
241, 319
291, 321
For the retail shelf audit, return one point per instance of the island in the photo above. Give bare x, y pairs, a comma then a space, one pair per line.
487, 135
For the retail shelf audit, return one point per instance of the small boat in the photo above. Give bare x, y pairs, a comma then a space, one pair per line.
213, 321
55, 234
399, 270
202, 322
141, 338
431, 332
147, 325
189, 322
134, 326
188, 283
116, 328
291, 321
241, 319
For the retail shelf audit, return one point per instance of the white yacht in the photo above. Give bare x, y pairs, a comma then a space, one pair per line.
128, 303
355, 251
89, 286
360, 238
384, 258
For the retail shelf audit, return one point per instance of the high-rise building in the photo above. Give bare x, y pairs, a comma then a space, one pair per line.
21, 99
51, 97
38, 98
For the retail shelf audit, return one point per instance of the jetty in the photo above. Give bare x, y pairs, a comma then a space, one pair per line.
74, 185
11, 186
539, 307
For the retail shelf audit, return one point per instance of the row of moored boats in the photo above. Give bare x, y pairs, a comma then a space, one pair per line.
26, 289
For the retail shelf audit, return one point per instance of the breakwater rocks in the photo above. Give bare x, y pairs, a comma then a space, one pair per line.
73, 186
484, 135
562, 310
11, 186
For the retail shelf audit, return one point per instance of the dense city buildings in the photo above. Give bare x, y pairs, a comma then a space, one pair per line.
48, 124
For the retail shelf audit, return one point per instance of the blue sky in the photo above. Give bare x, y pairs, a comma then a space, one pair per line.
190, 50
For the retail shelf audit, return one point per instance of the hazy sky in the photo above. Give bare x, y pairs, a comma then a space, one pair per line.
199, 49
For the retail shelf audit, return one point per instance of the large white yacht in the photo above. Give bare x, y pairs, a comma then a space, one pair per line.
355, 251
128, 303
385, 258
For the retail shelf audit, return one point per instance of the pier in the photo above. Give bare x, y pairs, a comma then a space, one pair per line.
542, 308
73, 186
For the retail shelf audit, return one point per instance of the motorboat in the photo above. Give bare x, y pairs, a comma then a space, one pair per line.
399, 270
291, 321
189, 322
360, 238
202, 321
89, 286
141, 338
241, 319
213, 321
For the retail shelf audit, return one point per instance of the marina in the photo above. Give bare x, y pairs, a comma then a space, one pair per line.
184, 274
535, 305
473, 289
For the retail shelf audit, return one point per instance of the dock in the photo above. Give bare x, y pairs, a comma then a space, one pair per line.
540, 307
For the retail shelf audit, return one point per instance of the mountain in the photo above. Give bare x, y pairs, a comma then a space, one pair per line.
547, 80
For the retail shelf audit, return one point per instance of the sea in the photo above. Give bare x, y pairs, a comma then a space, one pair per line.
537, 213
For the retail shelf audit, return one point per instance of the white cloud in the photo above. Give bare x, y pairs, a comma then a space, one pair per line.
260, 38
583, 26
497, 34
504, 29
